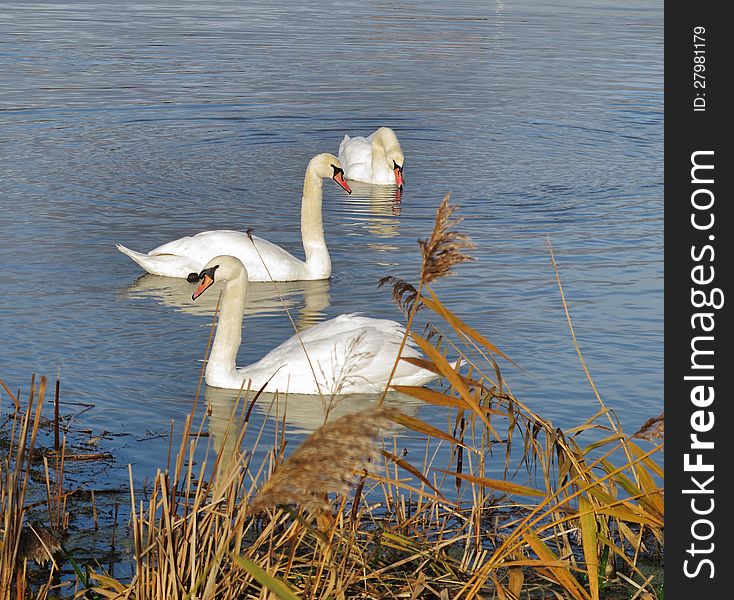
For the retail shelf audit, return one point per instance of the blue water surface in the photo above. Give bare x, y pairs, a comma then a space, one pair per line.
137, 123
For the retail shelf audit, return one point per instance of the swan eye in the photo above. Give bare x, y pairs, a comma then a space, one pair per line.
193, 277
337, 170
395, 165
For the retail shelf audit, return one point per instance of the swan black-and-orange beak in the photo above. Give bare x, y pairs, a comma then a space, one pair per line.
206, 277
339, 178
205, 283
398, 170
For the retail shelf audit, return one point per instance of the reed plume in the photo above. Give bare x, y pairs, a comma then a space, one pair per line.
403, 293
652, 429
325, 463
445, 248
441, 252
37, 543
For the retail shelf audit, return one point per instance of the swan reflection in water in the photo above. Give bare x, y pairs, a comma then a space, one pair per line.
263, 299
377, 207
303, 414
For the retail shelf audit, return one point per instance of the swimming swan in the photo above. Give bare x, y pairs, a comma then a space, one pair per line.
374, 159
182, 256
346, 355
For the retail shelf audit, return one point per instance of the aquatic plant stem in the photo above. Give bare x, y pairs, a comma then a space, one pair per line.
56, 412
408, 324
615, 426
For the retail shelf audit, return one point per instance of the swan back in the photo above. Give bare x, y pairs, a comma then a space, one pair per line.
377, 158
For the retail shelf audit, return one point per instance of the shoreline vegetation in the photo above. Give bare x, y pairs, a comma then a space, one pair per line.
576, 513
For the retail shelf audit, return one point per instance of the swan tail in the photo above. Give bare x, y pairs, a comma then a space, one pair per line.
166, 265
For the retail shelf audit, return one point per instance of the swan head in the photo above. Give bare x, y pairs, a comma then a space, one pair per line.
393, 153
327, 165
221, 268
397, 167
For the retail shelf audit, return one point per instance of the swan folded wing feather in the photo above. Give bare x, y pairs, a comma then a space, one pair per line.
346, 324
204, 246
347, 353
166, 265
355, 155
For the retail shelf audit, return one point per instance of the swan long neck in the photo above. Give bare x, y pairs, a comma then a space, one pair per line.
379, 160
384, 144
228, 337
312, 225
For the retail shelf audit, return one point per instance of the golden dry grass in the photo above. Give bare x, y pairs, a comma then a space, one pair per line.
22, 542
539, 511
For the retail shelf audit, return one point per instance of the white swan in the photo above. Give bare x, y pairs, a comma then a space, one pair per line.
182, 256
346, 355
377, 158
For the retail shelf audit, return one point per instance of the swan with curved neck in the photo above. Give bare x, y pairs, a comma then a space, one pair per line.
346, 355
377, 158
264, 260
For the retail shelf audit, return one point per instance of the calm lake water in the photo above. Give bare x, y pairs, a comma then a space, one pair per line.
137, 123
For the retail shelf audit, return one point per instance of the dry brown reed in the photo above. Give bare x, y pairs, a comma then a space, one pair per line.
445, 248
37, 543
652, 429
440, 253
20, 541
403, 293
539, 511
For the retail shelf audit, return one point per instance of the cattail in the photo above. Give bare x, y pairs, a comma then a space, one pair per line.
445, 247
325, 463
653, 428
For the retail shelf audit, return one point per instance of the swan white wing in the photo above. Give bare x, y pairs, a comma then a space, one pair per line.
348, 354
355, 155
166, 265
204, 246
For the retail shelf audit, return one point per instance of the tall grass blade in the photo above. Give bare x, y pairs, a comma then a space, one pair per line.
448, 371
562, 574
403, 464
460, 326
424, 428
590, 542
501, 485
276, 586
